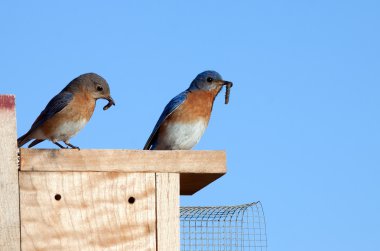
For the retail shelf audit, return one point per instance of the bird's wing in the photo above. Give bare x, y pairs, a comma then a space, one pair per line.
60, 101
56, 104
169, 109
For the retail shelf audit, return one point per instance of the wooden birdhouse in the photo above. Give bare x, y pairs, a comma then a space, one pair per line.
94, 199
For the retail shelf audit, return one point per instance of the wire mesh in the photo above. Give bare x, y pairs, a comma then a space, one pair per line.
227, 228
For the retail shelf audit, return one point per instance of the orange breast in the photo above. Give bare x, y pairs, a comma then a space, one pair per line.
197, 105
80, 108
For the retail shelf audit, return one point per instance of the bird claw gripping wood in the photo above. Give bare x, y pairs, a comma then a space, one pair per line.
227, 96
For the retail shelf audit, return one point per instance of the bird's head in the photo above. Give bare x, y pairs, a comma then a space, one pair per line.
209, 81
97, 87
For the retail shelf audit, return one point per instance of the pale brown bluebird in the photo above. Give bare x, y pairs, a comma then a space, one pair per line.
69, 111
186, 116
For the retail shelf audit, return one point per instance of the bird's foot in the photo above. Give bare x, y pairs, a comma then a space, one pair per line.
72, 146
60, 146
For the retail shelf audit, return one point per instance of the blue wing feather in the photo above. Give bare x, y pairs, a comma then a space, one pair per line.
169, 109
56, 104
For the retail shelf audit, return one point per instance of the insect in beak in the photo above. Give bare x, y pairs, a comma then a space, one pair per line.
111, 102
228, 87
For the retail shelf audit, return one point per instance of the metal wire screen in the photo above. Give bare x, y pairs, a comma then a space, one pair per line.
223, 228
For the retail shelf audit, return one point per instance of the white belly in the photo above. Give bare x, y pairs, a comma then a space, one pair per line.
182, 136
68, 129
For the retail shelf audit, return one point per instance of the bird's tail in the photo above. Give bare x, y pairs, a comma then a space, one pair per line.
23, 140
35, 142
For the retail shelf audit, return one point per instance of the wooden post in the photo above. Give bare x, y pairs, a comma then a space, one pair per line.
167, 190
9, 189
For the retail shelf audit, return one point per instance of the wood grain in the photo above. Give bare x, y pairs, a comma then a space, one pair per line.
197, 168
123, 160
92, 213
167, 197
9, 190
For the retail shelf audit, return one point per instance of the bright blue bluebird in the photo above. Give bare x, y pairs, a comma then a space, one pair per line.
185, 118
69, 111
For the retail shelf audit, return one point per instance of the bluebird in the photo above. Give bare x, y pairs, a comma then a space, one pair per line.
69, 111
186, 116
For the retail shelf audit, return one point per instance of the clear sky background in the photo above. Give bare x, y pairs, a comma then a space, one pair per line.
301, 130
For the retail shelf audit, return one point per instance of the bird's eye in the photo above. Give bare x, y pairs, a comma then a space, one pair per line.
209, 79
99, 88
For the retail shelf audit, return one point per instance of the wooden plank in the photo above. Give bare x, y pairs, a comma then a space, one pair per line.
9, 191
167, 198
197, 168
123, 160
87, 211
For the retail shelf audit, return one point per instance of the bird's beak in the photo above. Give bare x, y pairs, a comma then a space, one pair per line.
228, 83
111, 102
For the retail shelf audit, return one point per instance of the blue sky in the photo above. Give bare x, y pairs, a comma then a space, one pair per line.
301, 130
